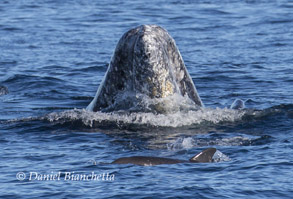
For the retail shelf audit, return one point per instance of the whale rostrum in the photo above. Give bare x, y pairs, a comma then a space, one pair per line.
203, 157
146, 64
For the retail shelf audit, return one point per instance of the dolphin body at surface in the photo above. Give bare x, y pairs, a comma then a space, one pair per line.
203, 157
146, 64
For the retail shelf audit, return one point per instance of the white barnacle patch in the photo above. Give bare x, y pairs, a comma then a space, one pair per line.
167, 89
180, 75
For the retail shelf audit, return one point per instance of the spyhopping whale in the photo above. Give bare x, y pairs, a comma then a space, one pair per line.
203, 157
146, 64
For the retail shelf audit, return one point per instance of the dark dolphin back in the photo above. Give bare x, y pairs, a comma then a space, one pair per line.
146, 161
204, 156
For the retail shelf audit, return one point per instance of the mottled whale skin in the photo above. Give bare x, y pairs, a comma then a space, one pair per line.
146, 61
203, 157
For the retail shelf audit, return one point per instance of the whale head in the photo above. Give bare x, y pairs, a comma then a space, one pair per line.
146, 64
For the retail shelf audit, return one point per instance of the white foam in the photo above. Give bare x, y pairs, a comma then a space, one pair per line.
220, 157
175, 119
181, 143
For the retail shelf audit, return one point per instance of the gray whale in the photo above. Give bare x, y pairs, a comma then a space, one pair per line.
146, 64
203, 157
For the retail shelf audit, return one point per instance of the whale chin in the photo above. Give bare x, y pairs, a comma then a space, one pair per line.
146, 73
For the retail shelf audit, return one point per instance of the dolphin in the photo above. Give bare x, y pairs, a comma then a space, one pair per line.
203, 157
146, 64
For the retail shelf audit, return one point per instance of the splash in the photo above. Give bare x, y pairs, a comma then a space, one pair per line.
181, 143
220, 157
175, 119
181, 111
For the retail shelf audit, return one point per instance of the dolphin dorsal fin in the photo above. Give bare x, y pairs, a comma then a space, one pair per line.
204, 156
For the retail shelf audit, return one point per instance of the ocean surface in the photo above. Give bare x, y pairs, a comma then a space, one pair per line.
54, 54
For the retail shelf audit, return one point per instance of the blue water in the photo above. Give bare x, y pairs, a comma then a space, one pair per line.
53, 55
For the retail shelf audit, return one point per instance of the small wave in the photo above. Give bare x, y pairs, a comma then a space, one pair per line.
31, 78
32, 83
12, 29
91, 67
8, 63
